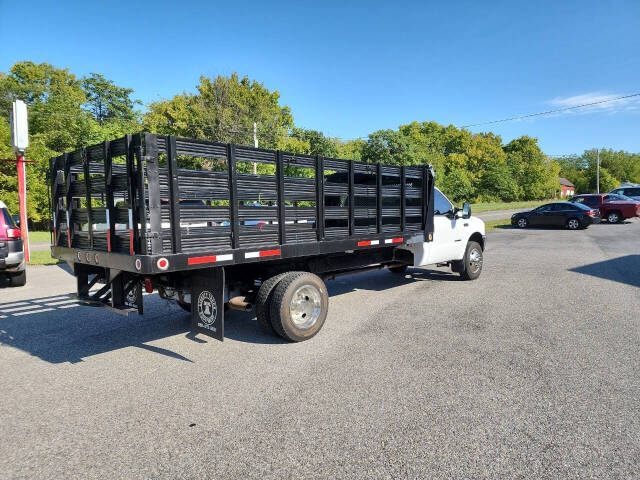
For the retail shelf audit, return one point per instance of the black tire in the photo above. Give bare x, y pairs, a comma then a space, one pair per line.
18, 279
574, 224
472, 267
522, 223
263, 302
282, 319
614, 217
401, 270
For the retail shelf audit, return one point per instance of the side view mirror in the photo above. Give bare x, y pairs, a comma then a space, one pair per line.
466, 210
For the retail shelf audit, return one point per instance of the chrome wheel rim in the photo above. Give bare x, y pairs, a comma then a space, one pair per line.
573, 224
522, 223
613, 218
305, 307
475, 260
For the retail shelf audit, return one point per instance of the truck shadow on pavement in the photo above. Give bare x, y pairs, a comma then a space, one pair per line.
60, 329
622, 269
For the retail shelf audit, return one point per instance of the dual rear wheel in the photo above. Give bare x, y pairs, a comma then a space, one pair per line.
293, 305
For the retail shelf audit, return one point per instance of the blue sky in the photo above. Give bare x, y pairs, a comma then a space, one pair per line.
349, 68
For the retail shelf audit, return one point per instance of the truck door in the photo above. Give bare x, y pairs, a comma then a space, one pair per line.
448, 232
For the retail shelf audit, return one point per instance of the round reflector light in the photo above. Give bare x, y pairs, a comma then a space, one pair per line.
162, 263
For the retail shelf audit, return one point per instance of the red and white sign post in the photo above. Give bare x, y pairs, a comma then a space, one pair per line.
20, 142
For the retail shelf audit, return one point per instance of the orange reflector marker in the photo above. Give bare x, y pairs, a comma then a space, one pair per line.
367, 243
209, 259
263, 253
394, 240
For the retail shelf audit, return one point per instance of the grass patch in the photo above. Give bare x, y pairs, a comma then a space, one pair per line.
497, 224
42, 257
490, 206
39, 237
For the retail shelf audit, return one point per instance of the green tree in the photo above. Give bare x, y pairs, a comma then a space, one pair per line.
318, 143
224, 110
107, 101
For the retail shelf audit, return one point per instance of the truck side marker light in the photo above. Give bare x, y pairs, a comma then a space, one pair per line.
366, 243
209, 259
263, 253
162, 263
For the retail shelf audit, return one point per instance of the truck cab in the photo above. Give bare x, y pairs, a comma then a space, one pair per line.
458, 239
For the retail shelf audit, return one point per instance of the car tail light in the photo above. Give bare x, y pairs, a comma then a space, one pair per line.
591, 213
14, 233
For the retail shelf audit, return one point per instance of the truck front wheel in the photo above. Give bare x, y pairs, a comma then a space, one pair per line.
472, 261
299, 306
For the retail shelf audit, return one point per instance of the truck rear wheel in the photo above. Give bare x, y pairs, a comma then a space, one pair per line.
613, 217
473, 259
299, 306
263, 302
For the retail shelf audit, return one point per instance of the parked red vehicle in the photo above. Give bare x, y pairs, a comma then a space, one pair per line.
11, 253
613, 208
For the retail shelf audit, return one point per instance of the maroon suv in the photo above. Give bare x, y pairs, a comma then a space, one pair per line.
613, 208
12, 262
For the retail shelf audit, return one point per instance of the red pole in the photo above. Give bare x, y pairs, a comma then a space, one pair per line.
22, 195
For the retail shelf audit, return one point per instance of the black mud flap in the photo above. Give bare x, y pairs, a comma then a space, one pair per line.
207, 302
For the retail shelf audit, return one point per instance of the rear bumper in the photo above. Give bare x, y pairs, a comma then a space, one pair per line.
13, 263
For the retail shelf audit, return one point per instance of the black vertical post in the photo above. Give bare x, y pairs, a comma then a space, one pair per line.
153, 185
108, 188
403, 200
320, 197
174, 195
131, 191
233, 196
425, 196
68, 200
87, 185
351, 198
141, 191
282, 213
55, 201
379, 197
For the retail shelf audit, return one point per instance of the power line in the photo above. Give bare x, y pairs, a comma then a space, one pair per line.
520, 117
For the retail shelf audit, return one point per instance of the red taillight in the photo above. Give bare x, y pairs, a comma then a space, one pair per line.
591, 213
14, 233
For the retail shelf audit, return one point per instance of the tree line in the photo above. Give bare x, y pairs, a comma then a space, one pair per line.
68, 112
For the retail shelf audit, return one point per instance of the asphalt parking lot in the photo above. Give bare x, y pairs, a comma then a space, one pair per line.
532, 371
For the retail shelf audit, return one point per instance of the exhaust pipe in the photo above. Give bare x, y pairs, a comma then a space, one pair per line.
240, 303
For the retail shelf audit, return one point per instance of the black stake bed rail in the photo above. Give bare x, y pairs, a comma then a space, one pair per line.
150, 204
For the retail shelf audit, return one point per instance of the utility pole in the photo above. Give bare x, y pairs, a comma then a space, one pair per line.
255, 144
598, 172
20, 142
